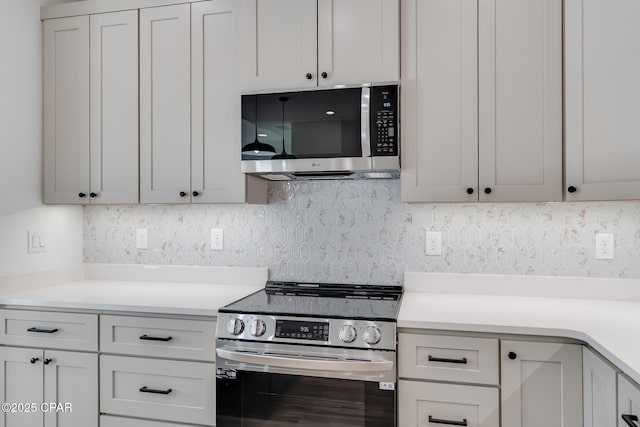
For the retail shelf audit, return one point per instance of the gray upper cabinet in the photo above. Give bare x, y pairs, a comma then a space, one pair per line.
91, 109
601, 96
165, 104
481, 100
308, 43
66, 110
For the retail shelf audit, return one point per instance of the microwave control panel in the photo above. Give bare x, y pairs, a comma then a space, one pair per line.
384, 120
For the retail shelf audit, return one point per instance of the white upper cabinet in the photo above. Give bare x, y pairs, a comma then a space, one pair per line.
66, 110
91, 109
114, 107
165, 104
481, 100
215, 150
602, 90
308, 43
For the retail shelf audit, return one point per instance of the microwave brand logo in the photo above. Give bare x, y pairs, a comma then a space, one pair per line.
315, 165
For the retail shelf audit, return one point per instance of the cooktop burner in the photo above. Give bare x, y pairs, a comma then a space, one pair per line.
346, 301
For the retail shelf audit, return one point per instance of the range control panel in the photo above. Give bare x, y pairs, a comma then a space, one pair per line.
328, 332
384, 120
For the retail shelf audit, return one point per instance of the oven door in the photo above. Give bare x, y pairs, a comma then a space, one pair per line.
288, 385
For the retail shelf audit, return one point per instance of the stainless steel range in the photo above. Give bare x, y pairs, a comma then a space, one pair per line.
308, 354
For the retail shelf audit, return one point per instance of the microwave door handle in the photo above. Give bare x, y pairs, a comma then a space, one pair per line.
365, 123
306, 364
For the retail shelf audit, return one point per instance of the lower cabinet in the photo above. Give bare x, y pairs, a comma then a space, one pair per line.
425, 404
111, 421
628, 403
541, 384
48, 388
598, 391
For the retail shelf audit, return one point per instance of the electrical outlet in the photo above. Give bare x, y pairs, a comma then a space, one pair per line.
142, 241
217, 239
604, 246
433, 244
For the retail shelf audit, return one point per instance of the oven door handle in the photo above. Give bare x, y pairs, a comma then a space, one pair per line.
306, 364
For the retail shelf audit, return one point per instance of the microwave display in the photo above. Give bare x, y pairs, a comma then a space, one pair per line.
329, 123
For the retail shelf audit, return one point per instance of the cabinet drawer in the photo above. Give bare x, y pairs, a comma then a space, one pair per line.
69, 331
446, 358
160, 389
148, 336
427, 404
109, 421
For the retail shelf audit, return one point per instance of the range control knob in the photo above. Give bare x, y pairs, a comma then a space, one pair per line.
348, 333
258, 327
235, 326
372, 335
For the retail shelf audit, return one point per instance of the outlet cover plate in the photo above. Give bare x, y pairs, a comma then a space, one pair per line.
604, 246
433, 243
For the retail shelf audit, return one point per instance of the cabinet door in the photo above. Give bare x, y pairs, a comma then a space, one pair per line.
439, 101
358, 41
601, 96
541, 384
215, 111
66, 110
71, 381
21, 382
599, 391
114, 107
279, 44
628, 402
165, 103
520, 98
423, 404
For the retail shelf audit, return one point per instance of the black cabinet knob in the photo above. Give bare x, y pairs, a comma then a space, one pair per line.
183, 194
81, 195
572, 189
93, 195
512, 355
469, 190
195, 194
487, 190
47, 361
324, 75
309, 76
34, 359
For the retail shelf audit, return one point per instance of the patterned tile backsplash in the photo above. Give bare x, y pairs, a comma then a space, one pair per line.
360, 232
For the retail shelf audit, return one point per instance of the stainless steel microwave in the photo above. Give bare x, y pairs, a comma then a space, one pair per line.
345, 133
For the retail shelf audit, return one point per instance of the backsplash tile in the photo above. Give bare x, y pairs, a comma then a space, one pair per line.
360, 232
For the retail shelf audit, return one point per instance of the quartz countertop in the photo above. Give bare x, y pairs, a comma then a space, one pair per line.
150, 289
602, 313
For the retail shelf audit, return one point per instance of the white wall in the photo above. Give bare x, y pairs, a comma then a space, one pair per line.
21, 149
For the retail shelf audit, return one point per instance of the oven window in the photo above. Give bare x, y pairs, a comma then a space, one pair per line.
317, 124
258, 399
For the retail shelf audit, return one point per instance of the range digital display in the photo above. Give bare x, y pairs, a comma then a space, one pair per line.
317, 331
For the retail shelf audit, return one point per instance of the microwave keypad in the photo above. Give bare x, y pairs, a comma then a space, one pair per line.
386, 133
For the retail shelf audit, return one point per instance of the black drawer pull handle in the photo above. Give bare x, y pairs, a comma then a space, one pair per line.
148, 338
462, 361
42, 330
144, 389
629, 419
34, 360
47, 361
451, 423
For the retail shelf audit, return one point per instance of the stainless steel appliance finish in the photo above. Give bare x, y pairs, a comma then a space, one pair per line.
346, 133
308, 354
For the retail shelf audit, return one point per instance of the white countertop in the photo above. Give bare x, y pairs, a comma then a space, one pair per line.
603, 313
151, 289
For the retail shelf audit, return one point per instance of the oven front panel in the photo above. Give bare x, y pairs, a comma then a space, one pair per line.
261, 399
